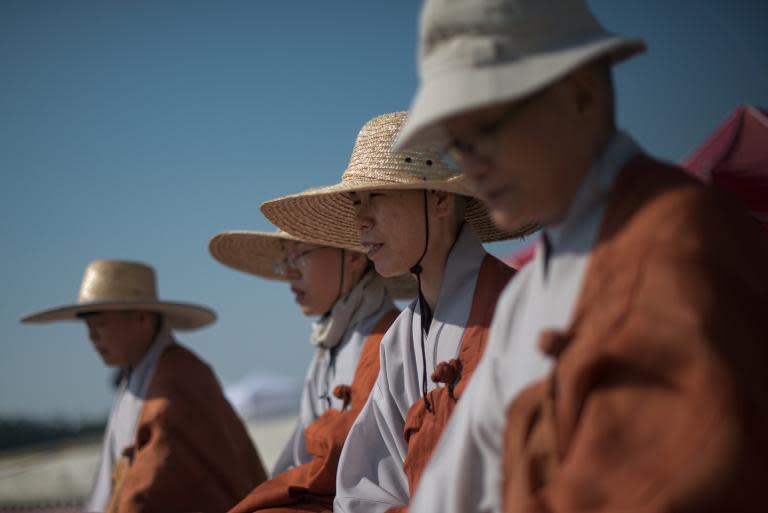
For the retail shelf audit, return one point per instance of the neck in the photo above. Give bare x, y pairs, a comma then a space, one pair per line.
582, 164
433, 264
145, 346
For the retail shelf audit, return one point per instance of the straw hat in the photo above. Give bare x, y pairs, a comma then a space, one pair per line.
325, 215
476, 53
257, 252
111, 285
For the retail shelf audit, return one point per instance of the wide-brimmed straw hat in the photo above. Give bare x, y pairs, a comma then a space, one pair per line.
256, 253
112, 285
327, 214
476, 53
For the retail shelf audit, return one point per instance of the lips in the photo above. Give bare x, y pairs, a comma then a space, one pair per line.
371, 248
298, 294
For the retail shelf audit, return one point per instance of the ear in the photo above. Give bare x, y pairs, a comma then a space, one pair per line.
142, 316
584, 88
442, 204
148, 318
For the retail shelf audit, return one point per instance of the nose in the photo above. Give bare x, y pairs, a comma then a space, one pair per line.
363, 218
475, 169
93, 335
292, 273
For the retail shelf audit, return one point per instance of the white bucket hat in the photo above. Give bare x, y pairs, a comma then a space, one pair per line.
257, 253
111, 285
476, 53
325, 215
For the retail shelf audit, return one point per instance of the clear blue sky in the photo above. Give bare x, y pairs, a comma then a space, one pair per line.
140, 129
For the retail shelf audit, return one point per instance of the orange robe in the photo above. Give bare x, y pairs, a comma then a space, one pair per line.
191, 451
423, 427
658, 397
312, 486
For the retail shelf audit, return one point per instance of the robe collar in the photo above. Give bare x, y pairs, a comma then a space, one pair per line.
462, 265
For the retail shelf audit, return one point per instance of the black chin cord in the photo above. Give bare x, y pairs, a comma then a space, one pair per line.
341, 278
426, 314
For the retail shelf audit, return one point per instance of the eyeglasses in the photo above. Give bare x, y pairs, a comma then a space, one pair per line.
296, 261
480, 146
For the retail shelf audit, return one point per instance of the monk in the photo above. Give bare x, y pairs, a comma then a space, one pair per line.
172, 442
627, 366
411, 214
355, 308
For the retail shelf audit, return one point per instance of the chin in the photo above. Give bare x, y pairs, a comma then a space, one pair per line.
388, 271
507, 220
308, 311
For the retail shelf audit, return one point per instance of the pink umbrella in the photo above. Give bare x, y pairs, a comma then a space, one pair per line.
735, 157
522, 256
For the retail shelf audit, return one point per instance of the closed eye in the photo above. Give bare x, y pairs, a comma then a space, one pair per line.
353, 198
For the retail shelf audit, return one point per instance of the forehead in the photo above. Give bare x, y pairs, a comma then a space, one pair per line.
386, 193
470, 120
298, 246
109, 317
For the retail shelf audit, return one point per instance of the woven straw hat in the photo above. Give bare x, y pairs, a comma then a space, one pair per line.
325, 215
256, 253
111, 285
477, 53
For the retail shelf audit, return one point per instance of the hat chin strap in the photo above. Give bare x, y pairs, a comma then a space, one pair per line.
426, 314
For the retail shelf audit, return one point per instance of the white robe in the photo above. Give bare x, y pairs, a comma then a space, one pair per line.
370, 475
121, 426
464, 474
323, 375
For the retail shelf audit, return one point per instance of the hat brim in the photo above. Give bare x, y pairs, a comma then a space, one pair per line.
255, 253
251, 252
327, 213
464, 89
179, 316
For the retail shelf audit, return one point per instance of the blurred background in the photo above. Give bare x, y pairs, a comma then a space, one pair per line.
138, 130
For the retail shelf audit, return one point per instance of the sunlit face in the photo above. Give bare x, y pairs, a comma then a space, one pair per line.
524, 171
315, 276
391, 225
122, 337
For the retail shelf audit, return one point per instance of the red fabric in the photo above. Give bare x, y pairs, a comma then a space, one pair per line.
312, 487
423, 428
735, 158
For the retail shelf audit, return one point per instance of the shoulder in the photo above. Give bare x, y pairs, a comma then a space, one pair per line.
497, 268
653, 203
183, 381
397, 335
514, 288
375, 325
180, 365
394, 349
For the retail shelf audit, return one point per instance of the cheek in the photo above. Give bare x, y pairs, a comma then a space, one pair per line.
321, 278
110, 339
528, 161
397, 222
510, 218
407, 240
